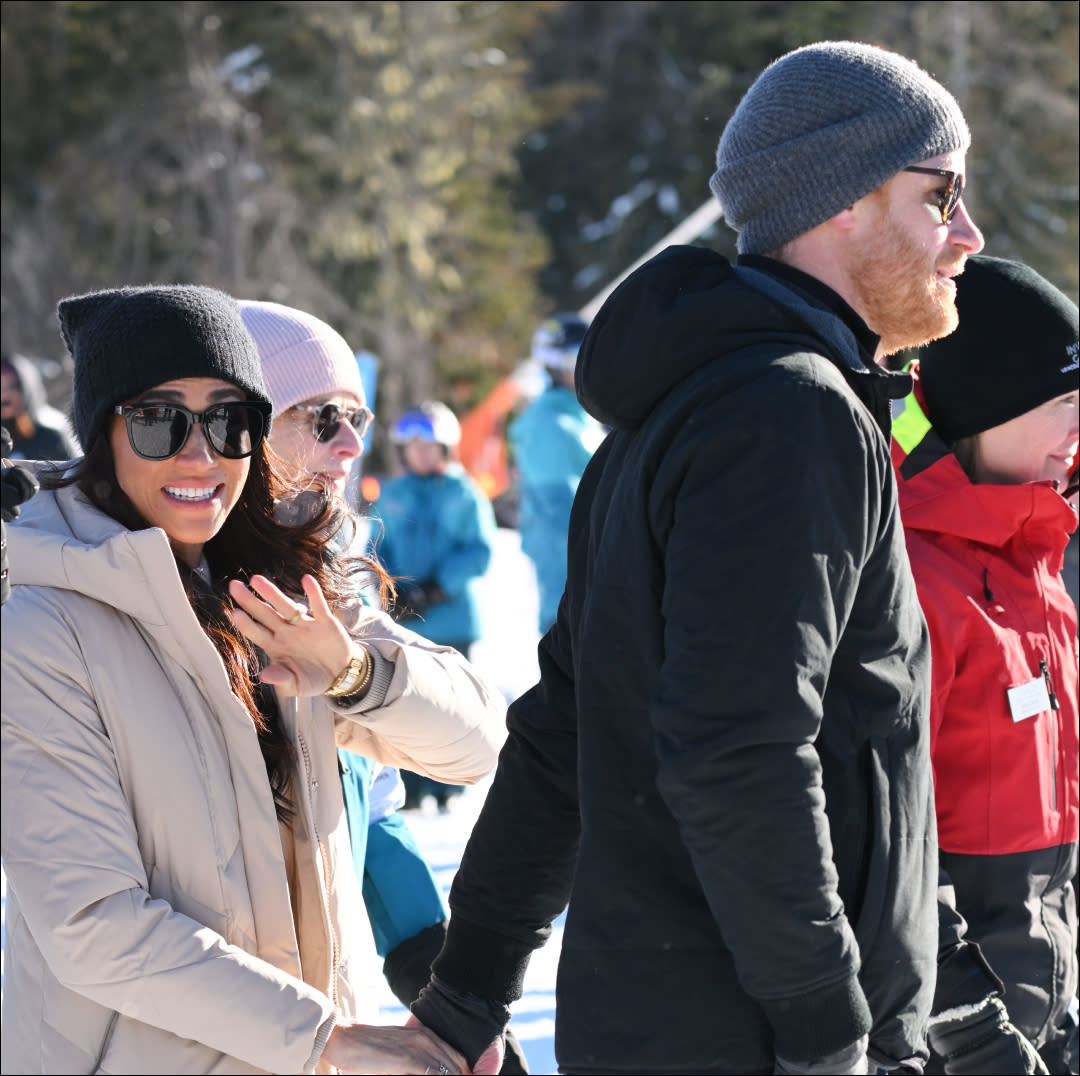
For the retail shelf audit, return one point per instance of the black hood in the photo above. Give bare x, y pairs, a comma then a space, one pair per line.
680, 310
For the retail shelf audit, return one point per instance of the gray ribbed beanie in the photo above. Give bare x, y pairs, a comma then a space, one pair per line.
127, 340
820, 128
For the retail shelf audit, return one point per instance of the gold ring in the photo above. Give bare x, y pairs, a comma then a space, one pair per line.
297, 614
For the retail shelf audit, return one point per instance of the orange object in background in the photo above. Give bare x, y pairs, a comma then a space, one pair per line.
482, 450
370, 488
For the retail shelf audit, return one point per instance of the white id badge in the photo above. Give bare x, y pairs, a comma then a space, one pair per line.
1027, 700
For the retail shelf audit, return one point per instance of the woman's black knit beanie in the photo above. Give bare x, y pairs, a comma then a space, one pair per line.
126, 340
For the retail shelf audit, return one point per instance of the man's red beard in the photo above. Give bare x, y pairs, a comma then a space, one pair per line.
898, 292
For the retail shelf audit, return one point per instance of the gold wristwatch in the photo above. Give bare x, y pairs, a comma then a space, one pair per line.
355, 677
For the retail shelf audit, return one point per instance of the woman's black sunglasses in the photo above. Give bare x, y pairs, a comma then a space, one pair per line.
158, 431
329, 417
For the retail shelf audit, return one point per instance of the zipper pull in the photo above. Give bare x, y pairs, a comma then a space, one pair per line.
1054, 704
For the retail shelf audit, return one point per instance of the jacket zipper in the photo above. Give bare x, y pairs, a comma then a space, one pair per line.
312, 786
1054, 705
106, 1039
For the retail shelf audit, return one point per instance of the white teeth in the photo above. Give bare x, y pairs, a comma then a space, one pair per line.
191, 494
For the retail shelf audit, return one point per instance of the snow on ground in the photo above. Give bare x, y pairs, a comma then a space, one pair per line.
442, 838
507, 657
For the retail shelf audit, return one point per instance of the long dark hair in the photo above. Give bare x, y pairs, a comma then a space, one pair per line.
252, 541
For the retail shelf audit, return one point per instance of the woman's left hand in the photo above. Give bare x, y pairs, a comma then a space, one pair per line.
307, 650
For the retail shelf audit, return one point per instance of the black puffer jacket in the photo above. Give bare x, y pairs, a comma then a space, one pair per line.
725, 765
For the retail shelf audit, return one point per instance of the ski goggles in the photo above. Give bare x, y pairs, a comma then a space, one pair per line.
329, 417
159, 431
949, 196
417, 427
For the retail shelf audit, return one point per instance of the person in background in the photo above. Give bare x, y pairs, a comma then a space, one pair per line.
38, 431
983, 451
725, 766
320, 420
433, 529
551, 442
177, 675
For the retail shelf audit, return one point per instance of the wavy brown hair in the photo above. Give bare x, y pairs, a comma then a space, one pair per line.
254, 540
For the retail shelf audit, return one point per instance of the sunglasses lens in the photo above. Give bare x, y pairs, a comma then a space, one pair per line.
327, 423
360, 420
156, 433
952, 198
234, 429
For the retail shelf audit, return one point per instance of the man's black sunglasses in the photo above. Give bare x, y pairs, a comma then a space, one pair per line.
158, 431
329, 417
949, 197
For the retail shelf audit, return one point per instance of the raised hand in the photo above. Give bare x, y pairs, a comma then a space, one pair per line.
307, 648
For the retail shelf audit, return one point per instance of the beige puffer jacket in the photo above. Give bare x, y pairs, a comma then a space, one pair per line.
149, 924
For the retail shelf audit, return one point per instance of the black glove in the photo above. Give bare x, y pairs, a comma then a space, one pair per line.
414, 599
468, 1023
981, 1039
515, 1063
408, 967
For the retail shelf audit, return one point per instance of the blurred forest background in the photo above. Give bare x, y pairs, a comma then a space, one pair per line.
433, 177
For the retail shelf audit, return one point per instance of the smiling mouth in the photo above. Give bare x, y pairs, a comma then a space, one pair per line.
192, 496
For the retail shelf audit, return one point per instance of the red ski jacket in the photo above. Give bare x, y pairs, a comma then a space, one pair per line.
986, 561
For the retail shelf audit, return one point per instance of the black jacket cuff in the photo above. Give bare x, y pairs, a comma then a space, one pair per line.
820, 1023
482, 962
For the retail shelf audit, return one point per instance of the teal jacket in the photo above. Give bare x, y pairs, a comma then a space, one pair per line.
551, 441
437, 529
401, 894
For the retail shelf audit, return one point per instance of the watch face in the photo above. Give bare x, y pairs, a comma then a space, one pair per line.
355, 677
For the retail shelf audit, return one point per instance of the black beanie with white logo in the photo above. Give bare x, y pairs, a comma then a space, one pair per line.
1015, 348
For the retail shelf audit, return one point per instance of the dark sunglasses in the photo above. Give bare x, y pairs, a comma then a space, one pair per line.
158, 431
329, 417
949, 198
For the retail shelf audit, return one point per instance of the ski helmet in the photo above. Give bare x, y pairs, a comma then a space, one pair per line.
430, 421
556, 342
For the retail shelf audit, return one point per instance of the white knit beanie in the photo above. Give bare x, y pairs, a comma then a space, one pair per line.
302, 357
